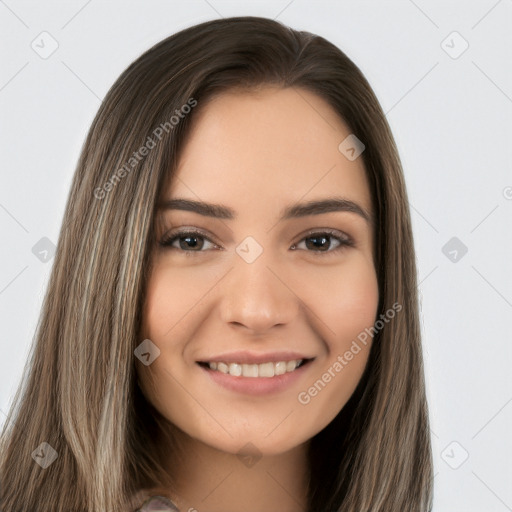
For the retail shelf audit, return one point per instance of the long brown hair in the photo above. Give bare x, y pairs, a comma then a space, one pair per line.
79, 393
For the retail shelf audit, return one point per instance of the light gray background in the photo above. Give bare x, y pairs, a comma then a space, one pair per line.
451, 118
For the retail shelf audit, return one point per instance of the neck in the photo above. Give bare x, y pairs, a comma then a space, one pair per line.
210, 480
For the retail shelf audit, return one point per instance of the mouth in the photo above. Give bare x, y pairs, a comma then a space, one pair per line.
264, 378
267, 369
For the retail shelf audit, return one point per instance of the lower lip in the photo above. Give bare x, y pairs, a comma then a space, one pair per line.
256, 385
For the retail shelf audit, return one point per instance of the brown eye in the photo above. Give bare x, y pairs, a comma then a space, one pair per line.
321, 242
188, 241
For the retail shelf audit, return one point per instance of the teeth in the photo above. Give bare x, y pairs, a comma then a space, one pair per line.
266, 370
280, 368
222, 367
256, 370
290, 366
235, 369
249, 370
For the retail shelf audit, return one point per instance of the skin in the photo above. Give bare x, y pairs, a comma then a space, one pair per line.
257, 152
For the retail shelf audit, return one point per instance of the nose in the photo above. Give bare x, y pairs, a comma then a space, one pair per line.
257, 297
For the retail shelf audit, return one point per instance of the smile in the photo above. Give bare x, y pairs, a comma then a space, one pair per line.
263, 378
269, 369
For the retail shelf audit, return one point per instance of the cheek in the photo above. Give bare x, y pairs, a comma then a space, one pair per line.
164, 321
348, 303
163, 307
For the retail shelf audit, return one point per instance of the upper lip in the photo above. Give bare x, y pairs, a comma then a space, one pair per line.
246, 357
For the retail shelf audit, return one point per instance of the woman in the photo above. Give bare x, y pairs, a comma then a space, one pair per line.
232, 318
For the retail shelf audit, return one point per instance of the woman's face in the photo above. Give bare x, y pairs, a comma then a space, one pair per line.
262, 286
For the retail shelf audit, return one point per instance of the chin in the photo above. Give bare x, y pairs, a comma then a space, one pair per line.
255, 444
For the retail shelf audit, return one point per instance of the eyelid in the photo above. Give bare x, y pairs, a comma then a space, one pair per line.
327, 231
183, 231
344, 239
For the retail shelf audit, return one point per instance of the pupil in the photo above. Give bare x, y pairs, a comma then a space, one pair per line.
194, 244
316, 239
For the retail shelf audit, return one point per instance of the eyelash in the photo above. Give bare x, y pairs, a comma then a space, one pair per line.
344, 241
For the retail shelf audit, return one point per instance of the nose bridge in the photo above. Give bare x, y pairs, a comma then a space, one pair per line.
256, 296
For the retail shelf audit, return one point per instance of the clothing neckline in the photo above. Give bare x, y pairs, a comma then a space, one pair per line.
158, 504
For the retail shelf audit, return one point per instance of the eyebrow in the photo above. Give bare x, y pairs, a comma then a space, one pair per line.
334, 204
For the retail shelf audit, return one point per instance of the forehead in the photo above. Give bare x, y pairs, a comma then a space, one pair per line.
257, 149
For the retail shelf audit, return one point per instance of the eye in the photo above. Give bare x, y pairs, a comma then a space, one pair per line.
188, 241
320, 242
